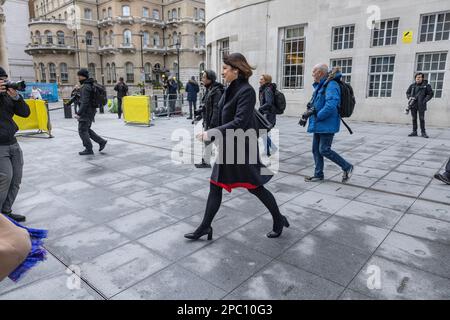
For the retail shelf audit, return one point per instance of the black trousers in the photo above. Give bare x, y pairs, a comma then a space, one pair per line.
414, 112
119, 107
447, 170
192, 104
86, 134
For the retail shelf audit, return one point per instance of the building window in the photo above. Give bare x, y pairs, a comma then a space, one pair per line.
111, 38
224, 50
201, 14
433, 66
89, 38
156, 14
346, 68
156, 39
386, 33
105, 38
43, 74
91, 69
104, 14
88, 14
195, 13
127, 37
174, 14
343, 37
201, 39
49, 37
110, 12
60, 37
108, 73
293, 58
52, 72
129, 70
201, 70
148, 72
169, 15
63, 72
145, 12
146, 38
435, 27
37, 37
175, 38
381, 75
126, 11
113, 72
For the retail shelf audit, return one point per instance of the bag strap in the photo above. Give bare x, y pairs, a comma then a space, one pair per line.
346, 125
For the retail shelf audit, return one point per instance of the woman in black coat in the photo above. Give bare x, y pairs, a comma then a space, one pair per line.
267, 104
246, 171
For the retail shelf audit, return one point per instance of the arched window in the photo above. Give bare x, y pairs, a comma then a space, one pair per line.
174, 14
156, 39
170, 39
201, 69
42, 71
148, 72
127, 37
108, 73
60, 37
129, 70
109, 12
65, 15
49, 37
201, 39
64, 74
126, 11
169, 15
201, 14
88, 14
52, 72
175, 38
59, 16
156, 14
37, 37
104, 14
146, 38
196, 43
89, 38
145, 12
113, 72
105, 38
111, 38
157, 72
91, 69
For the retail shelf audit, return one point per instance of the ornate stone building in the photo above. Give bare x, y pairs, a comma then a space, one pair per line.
136, 40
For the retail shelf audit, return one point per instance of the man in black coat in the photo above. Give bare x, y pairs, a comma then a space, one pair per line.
210, 108
86, 114
122, 91
192, 89
419, 93
172, 89
11, 157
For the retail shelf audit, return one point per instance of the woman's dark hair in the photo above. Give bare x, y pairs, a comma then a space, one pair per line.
238, 61
211, 75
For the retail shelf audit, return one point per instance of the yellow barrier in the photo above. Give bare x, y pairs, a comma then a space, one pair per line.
38, 119
136, 109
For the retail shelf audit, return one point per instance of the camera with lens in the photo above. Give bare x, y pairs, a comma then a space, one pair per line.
310, 110
16, 85
411, 103
198, 115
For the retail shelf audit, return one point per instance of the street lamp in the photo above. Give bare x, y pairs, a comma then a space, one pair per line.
178, 46
141, 35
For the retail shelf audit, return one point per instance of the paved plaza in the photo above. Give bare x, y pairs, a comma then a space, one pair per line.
117, 219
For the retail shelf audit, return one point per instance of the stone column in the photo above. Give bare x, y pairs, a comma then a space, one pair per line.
3, 49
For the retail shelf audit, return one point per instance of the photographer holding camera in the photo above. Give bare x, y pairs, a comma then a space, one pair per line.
209, 111
324, 121
419, 93
11, 157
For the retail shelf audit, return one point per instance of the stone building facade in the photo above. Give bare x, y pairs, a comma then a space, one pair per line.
136, 40
379, 44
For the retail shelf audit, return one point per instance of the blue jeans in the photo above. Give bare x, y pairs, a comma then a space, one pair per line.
322, 148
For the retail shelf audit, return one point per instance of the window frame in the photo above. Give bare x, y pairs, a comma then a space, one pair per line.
434, 33
381, 74
438, 93
384, 38
346, 76
350, 41
299, 78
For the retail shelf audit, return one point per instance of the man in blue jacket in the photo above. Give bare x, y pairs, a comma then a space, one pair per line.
324, 121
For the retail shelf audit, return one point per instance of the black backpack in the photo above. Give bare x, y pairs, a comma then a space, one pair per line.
348, 102
279, 102
100, 96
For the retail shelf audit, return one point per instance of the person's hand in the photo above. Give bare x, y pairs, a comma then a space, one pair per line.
12, 93
202, 136
2, 86
77, 116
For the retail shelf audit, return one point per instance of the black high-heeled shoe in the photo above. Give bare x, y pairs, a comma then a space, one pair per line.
197, 234
276, 233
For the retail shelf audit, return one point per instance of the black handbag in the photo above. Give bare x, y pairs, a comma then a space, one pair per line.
261, 122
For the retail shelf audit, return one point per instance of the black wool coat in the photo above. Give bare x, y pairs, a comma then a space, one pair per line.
422, 92
236, 110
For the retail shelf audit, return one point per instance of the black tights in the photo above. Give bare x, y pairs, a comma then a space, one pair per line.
215, 199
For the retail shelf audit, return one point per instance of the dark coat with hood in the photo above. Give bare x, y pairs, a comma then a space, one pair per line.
87, 108
422, 92
8, 108
236, 109
210, 103
192, 89
267, 101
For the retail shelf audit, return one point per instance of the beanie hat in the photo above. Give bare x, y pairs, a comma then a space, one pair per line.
84, 73
211, 75
3, 73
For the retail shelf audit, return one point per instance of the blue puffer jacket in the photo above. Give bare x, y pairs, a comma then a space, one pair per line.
327, 101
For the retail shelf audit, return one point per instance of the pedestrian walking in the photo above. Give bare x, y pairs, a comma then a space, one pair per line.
419, 93
192, 89
267, 105
172, 90
122, 91
86, 114
324, 121
236, 109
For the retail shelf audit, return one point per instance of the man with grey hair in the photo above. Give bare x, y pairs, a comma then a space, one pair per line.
324, 121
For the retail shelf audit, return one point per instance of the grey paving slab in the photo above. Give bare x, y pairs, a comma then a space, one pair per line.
141, 223
118, 207
370, 214
154, 196
319, 201
182, 207
416, 171
436, 194
107, 179
338, 190
398, 281
128, 187
281, 281
247, 202
353, 295
408, 179
431, 210
325, 258
386, 200
427, 228
398, 187
283, 192
303, 218
351, 233
422, 254
357, 180
170, 243
121, 268
85, 245
225, 263
172, 283
137, 171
